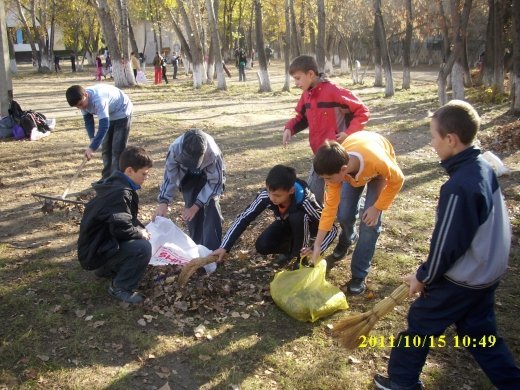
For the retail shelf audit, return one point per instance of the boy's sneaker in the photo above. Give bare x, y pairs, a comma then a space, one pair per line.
125, 295
283, 259
382, 382
341, 250
356, 286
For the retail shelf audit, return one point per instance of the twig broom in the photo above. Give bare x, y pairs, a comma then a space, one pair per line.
350, 329
190, 268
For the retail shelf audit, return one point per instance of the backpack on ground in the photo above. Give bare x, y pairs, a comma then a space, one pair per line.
15, 111
32, 119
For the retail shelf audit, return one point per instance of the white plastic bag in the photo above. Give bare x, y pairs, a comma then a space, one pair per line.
497, 164
170, 245
141, 78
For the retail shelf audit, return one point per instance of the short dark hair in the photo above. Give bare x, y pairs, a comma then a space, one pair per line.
134, 157
280, 177
460, 118
303, 64
329, 158
74, 94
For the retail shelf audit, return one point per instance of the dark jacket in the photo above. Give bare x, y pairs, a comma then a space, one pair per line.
109, 218
472, 236
303, 201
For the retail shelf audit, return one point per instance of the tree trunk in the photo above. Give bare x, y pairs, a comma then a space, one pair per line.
498, 45
185, 47
457, 80
215, 39
407, 43
195, 44
343, 56
489, 53
465, 63
460, 30
263, 75
515, 74
381, 37
445, 33
378, 70
329, 54
12, 58
133, 42
295, 44
287, 40
121, 70
320, 42
23, 19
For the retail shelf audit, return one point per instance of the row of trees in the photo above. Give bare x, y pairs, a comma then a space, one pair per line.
381, 33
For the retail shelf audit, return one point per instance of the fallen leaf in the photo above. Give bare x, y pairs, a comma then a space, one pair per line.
80, 313
148, 317
353, 360
43, 358
235, 314
88, 318
204, 358
245, 316
97, 324
166, 386
141, 322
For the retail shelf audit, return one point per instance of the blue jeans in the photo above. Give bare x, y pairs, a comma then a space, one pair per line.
113, 144
368, 235
472, 311
129, 264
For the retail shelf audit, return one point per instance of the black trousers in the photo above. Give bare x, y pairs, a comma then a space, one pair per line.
284, 236
206, 227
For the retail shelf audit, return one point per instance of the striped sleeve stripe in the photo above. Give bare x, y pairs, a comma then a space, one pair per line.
331, 235
306, 231
309, 209
441, 241
259, 199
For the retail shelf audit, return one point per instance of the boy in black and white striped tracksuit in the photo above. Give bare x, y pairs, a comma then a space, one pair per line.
297, 216
195, 166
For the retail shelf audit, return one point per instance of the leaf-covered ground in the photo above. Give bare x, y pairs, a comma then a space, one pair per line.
61, 329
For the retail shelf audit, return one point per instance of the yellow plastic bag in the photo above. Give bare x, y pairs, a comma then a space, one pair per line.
305, 295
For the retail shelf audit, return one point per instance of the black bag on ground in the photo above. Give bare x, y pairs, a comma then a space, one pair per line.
15, 111
31, 119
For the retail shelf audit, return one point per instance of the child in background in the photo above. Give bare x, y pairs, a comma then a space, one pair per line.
469, 251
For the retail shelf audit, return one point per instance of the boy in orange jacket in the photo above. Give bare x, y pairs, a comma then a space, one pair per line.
365, 159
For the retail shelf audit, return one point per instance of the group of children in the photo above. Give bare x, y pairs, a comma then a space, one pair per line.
470, 243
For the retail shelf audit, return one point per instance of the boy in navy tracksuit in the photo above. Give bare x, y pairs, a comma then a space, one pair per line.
468, 255
297, 216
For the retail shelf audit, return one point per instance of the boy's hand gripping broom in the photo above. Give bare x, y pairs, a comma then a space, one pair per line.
190, 268
350, 329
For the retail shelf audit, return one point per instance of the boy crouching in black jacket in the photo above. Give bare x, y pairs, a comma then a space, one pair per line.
297, 216
112, 241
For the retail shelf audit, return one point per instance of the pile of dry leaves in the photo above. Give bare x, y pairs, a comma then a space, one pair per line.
237, 289
504, 139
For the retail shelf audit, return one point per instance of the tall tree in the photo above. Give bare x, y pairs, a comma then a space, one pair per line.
6, 92
121, 70
287, 45
407, 44
489, 53
320, 42
221, 77
35, 55
379, 28
263, 75
194, 41
515, 74
459, 31
498, 46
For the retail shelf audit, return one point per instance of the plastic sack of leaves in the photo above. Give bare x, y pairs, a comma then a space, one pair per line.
305, 295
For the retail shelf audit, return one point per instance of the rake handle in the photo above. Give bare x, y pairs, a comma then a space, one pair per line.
73, 179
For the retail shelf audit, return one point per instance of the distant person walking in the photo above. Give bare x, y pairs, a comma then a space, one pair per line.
164, 68
57, 66
175, 63
242, 61
135, 64
73, 62
99, 68
157, 64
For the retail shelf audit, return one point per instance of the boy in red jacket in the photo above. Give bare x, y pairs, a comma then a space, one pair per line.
331, 113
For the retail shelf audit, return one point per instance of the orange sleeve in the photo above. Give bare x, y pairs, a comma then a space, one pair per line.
394, 181
330, 209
